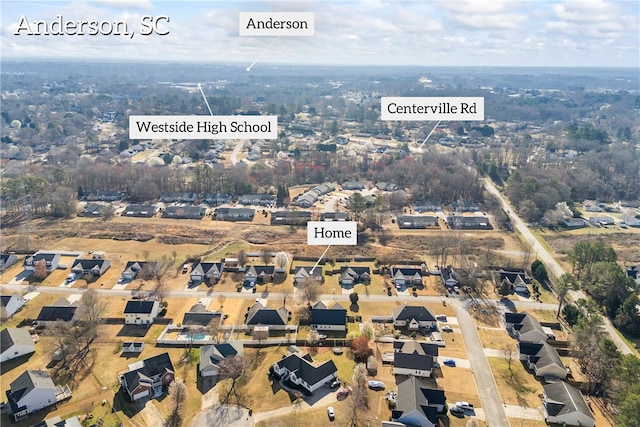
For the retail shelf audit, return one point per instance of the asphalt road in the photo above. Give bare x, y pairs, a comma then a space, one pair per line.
553, 267
487, 388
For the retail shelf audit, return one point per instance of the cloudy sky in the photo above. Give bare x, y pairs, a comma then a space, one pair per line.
365, 32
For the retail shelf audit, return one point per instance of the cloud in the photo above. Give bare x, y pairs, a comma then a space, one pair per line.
125, 4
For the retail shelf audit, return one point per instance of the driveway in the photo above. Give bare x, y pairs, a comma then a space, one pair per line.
151, 415
487, 389
222, 416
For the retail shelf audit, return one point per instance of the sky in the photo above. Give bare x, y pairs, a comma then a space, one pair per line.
545, 33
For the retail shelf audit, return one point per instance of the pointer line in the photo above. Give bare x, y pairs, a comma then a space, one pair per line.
262, 53
320, 259
425, 140
205, 99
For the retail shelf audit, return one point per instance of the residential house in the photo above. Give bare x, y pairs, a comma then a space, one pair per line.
542, 359
138, 312
414, 358
564, 405
30, 392
387, 186
468, 222
62, 309
258, 274
10, 304
413, 317
234, 214
50, 259
265, 200
449, 277
574, 222
178, 197
524, 327
602, 221
516, 280
302, 371
290, 217
90, 267
15, 342
258, 314
206, 271
212, 355
198, 315
7, 260
353, 185
133, 268
633, 271
93, 210
104, 196
59, 422
325, 318
301, 273
334, 216
407, 276
426, 206
630, 220
354, 275
148, 377
418, 404
417, 221
184, 212
216, 199
140, 211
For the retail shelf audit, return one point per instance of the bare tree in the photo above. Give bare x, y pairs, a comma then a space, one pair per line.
191, 332
221, 299
214, 329
178, 395
242, 258
235, 370
360, 396
309, 290
265, 256
312, 339
282, 260
91, 309
508, 352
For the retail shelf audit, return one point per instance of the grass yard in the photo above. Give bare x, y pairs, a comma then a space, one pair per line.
519, 422
517, 387
458, 384
496, 339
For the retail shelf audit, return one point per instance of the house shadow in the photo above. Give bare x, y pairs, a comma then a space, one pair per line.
354, 308
9, 365
193, 284
22, 275
205, 384
138, 331
510, 305
122, 403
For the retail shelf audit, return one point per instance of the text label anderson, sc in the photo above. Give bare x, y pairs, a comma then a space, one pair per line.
203, 127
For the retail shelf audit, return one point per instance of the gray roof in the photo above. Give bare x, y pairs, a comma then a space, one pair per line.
11, 336
26, 383
413, 395
305, 370
215, 353
563, 398
410, 312
260, 315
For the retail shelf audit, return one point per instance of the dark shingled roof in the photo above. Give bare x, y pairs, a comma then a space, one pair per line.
151, 367
304, 369
563, 398
413, 395
409, 312
135, 307
260, 315
336, 315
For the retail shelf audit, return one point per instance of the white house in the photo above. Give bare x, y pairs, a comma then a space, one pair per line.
15, 342
324, 318
141, 312
413, 317
564, 405
30, 392
50, 259
7, 260
10, 304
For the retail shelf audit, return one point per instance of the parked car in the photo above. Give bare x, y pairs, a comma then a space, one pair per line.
449, 362
331, 413
447, 329
71, 277
373, 384
343, 393
464, 406
457, 412
334, 384
441, 317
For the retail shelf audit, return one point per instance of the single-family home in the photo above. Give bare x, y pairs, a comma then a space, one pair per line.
542, 359
264, 200
90, 267
354, 275
418, 403
564, 405
184, 212
303, 372
407, 276
601, 221
62, 309
334, 216
178, 197
59, 422
524, 327
574, 222
10, 304
325, 318
515, 278
104, 196
302, 273
212, 355
449, 276
630, 220
258, 274
413, 317
140, 211
290, 217
148, 377
198, 315
216, 199
206, 271
15, 342
133, 268
30, 392
7, 260
353, 185
468, 222
138, 312
414, 358
258, 314
51, 261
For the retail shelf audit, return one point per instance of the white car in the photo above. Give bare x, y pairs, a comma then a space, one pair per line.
447, 329
465, 405
331, 413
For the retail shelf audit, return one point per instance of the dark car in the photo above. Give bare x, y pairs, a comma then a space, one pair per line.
457, 412
449, 362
